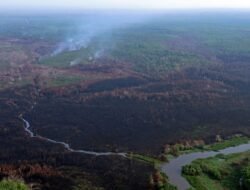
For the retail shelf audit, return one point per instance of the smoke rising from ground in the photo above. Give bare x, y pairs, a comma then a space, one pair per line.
92, 32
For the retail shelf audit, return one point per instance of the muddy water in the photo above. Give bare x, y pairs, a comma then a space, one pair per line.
173, 168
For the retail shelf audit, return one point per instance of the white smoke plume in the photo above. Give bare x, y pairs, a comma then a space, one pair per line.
92, 26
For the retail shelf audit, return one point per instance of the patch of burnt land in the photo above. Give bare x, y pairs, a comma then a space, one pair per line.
50, 166
112, 84
128, 115
188, 104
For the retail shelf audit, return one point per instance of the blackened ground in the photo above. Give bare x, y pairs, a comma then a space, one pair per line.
194, 103
18, 150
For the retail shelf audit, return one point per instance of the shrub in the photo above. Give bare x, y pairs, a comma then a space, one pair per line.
246, 177
191, 169
211, 171
12, 185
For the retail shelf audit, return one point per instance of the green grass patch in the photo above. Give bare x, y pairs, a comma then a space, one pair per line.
219, 172
64, 59
12, 185
147, 159
235, 141
64, 80
203, 182
231, 142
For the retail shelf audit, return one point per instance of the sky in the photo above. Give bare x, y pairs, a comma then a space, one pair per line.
124, 4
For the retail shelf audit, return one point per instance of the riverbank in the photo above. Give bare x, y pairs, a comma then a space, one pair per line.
233, 141
65, 145
219, 172
159, 162
173, 169
180, 149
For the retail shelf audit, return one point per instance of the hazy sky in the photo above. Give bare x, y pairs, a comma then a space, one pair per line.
125, 4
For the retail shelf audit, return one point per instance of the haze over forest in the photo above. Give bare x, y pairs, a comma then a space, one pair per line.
124, 95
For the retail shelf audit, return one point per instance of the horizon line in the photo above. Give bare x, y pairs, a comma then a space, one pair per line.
153, 10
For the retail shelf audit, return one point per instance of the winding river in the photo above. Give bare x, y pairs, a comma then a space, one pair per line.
65, 145
174, 167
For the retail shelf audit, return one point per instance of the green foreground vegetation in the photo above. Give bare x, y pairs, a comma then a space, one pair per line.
12, 185
217, 173
222, 172
180, 149
236, 140
159, 181
64, 80
147, 159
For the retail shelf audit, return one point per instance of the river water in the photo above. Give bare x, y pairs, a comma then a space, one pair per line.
66, 145
173, 168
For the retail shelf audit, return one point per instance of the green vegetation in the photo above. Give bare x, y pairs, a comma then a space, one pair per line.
246, 176
12, 185
158, 111
146, 48
234, 141
144, 158
159, 181
159, 45
193, 170
178, 149
38, 27
203, 182
66, 59
64, 80
141, 46
152, 47
220, 172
